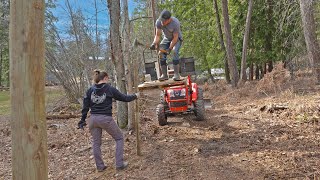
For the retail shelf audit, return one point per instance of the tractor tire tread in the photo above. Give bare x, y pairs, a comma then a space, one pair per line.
199, 110
162, 118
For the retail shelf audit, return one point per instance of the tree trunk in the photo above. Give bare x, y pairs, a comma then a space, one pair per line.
223, 48
128, 62
117, 59
257, 74
206, 60
309, 29
208, 68
270, 66
27, 94
154, 18
268, 37
251, 72
262, 70
230, 50
96, 30
243, 73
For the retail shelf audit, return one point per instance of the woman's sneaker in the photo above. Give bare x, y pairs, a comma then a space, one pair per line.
125, 164
101, 170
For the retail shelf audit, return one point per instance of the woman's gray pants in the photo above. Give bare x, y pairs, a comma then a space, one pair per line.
97, 123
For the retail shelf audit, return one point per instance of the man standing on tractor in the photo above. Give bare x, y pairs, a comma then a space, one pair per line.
172, 39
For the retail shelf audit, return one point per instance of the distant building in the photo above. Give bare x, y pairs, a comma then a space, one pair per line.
97, 58
218, 73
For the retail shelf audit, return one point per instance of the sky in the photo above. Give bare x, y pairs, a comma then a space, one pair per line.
87, 7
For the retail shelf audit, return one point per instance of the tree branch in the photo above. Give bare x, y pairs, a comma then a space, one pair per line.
142, 17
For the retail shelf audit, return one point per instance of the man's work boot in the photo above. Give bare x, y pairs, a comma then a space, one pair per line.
176, 76
125, 164
164, 75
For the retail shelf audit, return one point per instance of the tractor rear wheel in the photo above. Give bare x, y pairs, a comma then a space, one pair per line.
162, 118
199, 109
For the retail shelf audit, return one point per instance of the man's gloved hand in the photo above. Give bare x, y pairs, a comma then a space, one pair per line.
81, 124
137, 94
153, 46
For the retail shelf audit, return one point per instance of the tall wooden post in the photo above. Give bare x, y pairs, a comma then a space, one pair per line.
137, 108
28, 122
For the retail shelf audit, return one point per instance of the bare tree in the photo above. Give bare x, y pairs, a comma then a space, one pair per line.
71, 57
97, 53
128, 60
154, 18
117, 59
243, 74
308, 21
223, 48
66, 58
230, 50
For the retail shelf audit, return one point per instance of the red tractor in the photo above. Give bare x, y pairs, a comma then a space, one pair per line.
178, 97
186, 97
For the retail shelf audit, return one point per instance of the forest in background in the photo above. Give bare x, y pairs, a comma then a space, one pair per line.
246, 38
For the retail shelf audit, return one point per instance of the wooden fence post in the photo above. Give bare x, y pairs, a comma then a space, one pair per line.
28, 121
137, 108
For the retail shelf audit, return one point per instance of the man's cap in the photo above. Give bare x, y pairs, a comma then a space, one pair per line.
164, 15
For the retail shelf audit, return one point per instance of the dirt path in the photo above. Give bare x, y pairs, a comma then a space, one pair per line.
239, 140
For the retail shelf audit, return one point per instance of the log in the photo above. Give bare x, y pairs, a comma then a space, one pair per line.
163, 84
274, 107
4, 88
63, 116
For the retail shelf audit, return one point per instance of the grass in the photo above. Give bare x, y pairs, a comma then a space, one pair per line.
52, 94
4, 103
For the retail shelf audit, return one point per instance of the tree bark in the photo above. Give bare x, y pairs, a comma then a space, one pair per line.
223, 48
128, 62
28, 121
117, 59
243, 73
230, 50
309, 29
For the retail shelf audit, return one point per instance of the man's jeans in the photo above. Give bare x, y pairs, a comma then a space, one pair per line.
165, 44
97, 123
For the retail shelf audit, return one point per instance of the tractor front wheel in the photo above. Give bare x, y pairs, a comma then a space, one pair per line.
162, 118
199, 109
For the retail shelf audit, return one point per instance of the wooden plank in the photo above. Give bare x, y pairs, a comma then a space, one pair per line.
163, 84
27, 90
